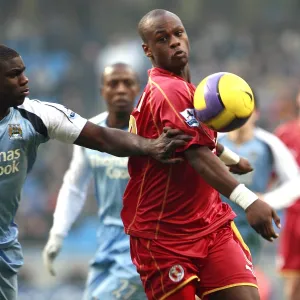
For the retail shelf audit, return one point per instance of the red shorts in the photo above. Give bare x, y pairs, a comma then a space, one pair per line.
217, 261
289, 244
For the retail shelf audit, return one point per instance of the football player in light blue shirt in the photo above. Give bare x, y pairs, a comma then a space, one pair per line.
24, 125
111, 274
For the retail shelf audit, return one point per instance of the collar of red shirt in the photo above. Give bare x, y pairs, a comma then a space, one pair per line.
159, 71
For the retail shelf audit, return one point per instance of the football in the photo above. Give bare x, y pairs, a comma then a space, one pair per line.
223, 101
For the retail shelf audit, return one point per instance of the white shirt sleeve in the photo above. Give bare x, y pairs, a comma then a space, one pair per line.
285, 195
59, 122
286, 169
72, 194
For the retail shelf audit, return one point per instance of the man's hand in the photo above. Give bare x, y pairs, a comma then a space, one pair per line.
260, 216
242, 167
51, 251
163, 147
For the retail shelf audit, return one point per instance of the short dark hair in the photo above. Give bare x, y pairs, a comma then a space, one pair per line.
146, 18
119, 65
7, 53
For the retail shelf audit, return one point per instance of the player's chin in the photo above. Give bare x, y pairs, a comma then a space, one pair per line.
180, 62
19, 100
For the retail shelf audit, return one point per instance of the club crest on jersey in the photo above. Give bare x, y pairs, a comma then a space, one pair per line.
176, 273
189, 117
71, 113
15, 132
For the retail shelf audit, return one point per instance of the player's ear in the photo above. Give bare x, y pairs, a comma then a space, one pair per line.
147, 50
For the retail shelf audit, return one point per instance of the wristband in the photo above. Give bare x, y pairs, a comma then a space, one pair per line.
242, 196
228, 157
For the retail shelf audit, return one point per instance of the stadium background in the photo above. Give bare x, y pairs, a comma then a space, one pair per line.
65, 44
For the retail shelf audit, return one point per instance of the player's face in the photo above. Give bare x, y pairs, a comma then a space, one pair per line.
120, 88
13, 83
167, 43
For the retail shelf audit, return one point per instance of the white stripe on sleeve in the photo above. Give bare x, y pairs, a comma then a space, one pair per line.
62, 123
72, 194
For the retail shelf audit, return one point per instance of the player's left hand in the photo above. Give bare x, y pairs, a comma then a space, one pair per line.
51, 251
260, 216
242, 167
164, 146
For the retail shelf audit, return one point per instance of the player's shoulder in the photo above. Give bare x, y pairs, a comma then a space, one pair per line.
43, 109
260, 132
268, 138
32, 108
35, 105
29, 103
100, 118
169, 87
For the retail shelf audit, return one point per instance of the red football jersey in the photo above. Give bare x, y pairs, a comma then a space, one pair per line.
170, 201
289, 133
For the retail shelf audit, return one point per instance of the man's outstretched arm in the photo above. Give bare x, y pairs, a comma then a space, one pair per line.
120, 143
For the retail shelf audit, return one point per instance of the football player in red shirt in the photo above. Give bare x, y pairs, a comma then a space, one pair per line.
183, 239
289, 247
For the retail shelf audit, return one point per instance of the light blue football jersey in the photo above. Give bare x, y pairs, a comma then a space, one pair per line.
110, 176
21, 132
111, 269
260, 156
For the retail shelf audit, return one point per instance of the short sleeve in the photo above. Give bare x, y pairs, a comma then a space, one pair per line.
54, 120
177, 111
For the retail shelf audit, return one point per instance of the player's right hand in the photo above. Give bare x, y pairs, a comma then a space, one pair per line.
51, 251
164, 146
242, 167
260, 216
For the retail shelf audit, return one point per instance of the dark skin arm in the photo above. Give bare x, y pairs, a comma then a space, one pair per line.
214, 172
121, 143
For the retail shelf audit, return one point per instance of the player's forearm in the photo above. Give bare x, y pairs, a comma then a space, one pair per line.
70, 202
122, 143
211, 169
113, 141
285, 195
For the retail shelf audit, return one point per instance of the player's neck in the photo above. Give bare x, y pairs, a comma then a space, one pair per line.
240, 137
182, 72
118, 120
3, 113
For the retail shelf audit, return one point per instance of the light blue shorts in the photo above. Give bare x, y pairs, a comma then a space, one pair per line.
112, 275
102, 284
11, 260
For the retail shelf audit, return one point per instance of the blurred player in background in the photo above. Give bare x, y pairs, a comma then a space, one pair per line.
289, 247
112, 274
24, 125
182, 237
268, 155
